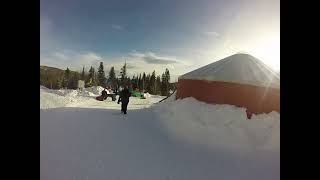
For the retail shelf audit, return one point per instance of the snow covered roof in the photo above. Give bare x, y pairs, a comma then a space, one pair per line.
238, 68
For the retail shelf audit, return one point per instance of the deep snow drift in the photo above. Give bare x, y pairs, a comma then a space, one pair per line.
183, 139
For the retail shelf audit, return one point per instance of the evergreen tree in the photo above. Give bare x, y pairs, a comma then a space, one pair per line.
167, 73
158, 85
153, 83
140, 82
144, 81
101, 76
83, 74
66, 78
163, 80
165, 84
59, 84
148, 87
73, 84
123, 74
112, 77
91, 77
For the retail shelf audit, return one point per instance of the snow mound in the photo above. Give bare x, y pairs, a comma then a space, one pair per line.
146, 95
226, 126
94, 89
87, 93
43, 87
86, 99
51, 100
171, 98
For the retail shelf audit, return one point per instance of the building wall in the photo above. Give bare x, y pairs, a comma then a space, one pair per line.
255, 99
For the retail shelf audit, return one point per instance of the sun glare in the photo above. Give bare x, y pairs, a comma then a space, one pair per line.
269, 52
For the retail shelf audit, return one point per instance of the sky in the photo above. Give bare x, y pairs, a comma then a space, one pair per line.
148, 35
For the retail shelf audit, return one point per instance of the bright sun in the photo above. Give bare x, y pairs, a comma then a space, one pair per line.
269, 52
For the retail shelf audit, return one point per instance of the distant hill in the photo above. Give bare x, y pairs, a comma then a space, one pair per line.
50, 76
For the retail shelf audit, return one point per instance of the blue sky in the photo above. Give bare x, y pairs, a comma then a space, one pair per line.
153, 35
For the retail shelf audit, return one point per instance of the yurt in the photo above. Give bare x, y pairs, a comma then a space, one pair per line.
241, 80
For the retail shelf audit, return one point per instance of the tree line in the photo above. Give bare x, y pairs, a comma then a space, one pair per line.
152, 83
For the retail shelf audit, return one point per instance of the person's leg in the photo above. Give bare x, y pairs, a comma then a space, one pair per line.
125, 108
122, 107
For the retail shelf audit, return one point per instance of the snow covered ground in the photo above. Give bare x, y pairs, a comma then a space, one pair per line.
82, 138
86, 99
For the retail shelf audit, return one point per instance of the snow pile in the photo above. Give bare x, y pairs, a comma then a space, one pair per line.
94, 89
220, 126
86, 99
87, 93
43, 87
171, 98
51, 100
146, 95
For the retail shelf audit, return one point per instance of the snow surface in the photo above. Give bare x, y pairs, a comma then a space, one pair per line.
86, 99
82, 138
238, 68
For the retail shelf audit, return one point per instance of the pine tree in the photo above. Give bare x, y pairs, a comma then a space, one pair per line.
158, 85
59, 83
91, 77
83, 74
140, 82
144, 81
137, 82
133, 82
112, 77
101, 76
74, 81
167, 73
123, 74
66, 78
153, 82
148, 87
163, 84
168, 81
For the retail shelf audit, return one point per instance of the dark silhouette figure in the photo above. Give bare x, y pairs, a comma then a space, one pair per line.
124, 98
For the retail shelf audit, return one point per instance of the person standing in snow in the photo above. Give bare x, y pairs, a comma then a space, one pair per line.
124, 98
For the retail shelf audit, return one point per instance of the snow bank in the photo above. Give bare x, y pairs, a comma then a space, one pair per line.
51, 100
86, 99
95, 90
219, 126
146, 95
43, 87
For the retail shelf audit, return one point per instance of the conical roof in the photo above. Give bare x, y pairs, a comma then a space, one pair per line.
238, 68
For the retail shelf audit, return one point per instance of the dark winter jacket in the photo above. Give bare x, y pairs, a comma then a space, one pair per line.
124, 96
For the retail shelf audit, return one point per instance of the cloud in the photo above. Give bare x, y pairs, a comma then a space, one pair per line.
151, 58
117, 27
73, 60
136, 62
130, 66
212, 33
